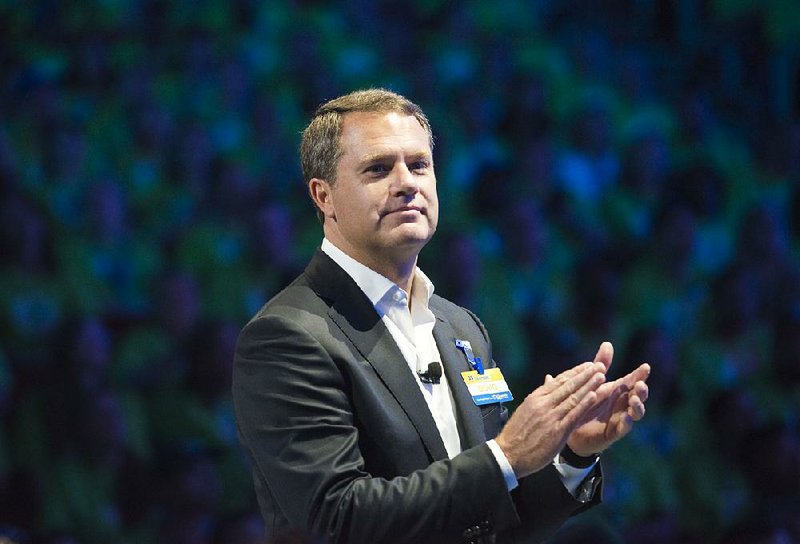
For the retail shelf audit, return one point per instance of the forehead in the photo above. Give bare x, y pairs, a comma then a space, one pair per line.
374, 132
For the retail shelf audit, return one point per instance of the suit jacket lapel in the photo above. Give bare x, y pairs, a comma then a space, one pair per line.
353, 313
469, 415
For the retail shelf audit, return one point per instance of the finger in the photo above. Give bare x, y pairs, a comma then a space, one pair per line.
548, 378
643, 372
565, 377
640, 374
608, 395
573, 400
613, 398
605, 354
611, 390
636, 409
577, 415
574, 385
641, 390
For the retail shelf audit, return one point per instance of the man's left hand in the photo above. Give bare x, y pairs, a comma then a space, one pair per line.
619, 404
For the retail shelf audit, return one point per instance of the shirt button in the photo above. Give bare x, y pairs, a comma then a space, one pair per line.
398, 296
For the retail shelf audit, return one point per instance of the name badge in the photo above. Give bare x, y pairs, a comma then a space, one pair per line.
488, 387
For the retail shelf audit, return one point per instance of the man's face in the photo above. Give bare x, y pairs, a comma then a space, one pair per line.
383, 207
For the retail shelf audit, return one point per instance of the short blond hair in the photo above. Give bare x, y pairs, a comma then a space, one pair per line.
320, 148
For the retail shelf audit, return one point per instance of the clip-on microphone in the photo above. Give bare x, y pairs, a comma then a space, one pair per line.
432, 375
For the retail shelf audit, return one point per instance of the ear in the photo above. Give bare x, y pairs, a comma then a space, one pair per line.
321, 193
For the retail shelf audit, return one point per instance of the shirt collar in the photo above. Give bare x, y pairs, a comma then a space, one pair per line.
376, 286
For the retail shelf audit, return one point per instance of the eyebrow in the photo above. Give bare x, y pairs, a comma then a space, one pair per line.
390, 156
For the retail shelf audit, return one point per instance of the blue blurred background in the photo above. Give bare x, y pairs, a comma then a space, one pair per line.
623, 170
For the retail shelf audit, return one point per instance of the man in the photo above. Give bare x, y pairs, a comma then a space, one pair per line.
348, 385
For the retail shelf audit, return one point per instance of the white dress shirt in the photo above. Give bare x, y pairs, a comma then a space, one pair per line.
411, 325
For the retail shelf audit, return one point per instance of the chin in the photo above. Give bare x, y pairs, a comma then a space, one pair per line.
417, 230
417, 242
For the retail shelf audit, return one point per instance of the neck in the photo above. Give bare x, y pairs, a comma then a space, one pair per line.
397, 266
403, 277
400, 271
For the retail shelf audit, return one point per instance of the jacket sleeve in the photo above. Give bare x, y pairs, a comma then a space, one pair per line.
297, 424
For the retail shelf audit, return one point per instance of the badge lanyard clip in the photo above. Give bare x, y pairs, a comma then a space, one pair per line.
474, 362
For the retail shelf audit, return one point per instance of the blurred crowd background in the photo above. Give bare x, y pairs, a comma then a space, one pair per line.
625, 170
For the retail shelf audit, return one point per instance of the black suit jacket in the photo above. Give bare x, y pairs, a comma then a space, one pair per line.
342, 443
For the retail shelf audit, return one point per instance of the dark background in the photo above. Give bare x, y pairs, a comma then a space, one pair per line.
622, 170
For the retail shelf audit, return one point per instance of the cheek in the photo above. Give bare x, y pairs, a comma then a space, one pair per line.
358, 211
433, 214
433, 206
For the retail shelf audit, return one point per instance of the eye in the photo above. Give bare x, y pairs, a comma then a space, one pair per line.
419, 167
378, 168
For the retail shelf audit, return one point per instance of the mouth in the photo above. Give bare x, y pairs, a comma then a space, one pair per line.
403, 209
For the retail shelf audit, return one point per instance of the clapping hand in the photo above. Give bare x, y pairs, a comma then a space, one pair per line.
619, 404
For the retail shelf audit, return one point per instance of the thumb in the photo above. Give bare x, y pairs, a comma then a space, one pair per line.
605, 354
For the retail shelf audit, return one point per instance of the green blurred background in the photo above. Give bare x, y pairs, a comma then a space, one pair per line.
622, 170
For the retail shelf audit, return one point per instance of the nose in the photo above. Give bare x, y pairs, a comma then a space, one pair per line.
405, 182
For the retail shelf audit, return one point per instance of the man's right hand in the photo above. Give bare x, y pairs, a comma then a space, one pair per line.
540, 426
